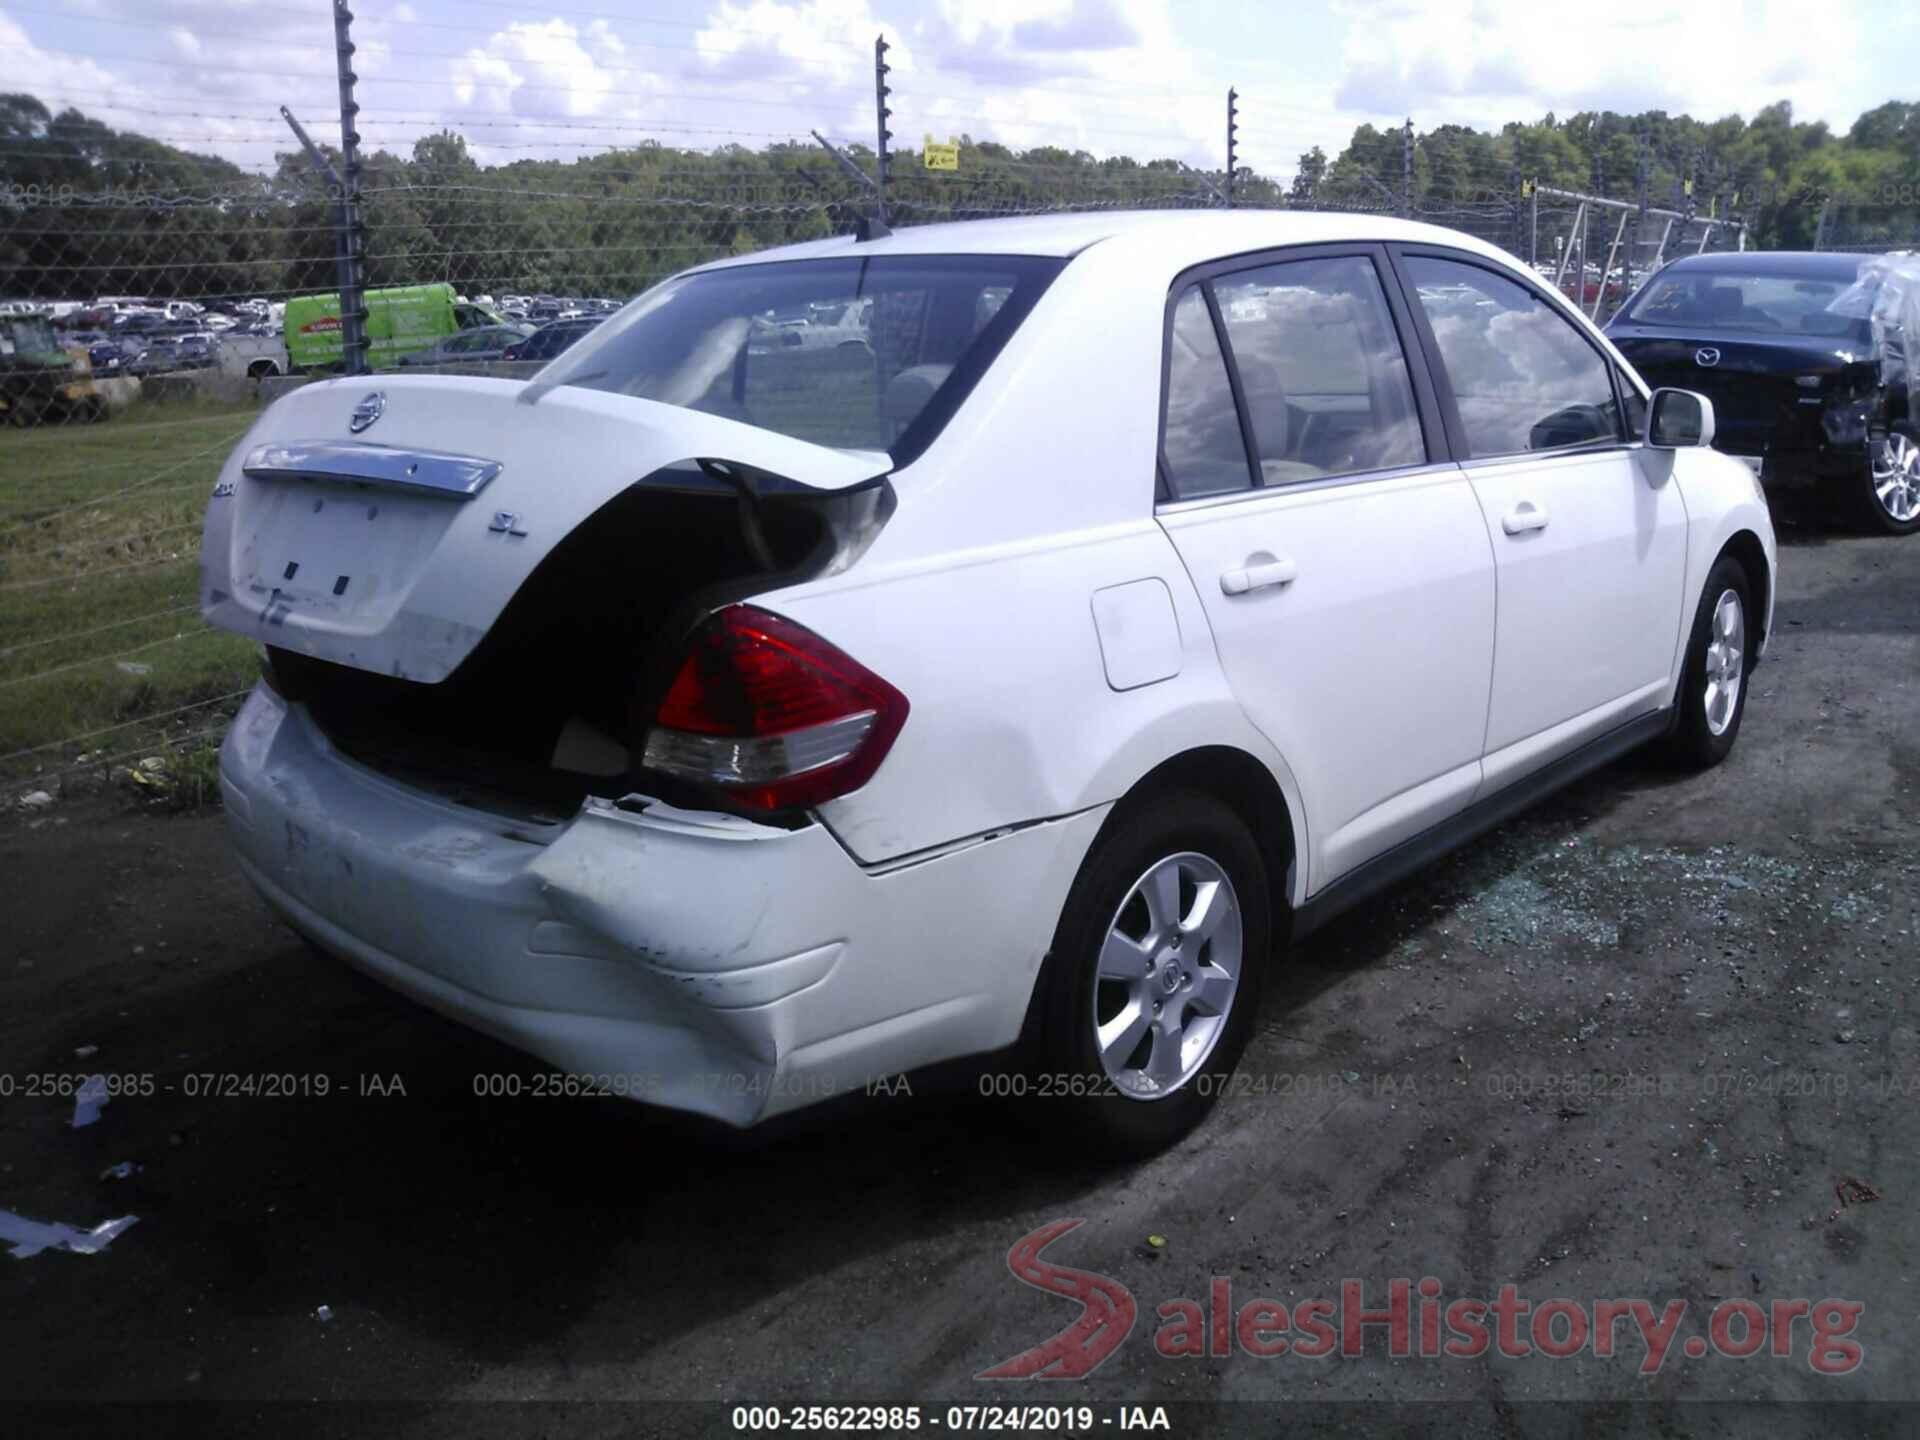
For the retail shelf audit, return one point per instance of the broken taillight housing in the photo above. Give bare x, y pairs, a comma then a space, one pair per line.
770, 717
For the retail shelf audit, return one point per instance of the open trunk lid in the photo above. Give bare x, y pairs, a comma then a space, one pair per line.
385, 525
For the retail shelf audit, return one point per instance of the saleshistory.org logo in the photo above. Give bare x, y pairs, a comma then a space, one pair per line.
1414, 1322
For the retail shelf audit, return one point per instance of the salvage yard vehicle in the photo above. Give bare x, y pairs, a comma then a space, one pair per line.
746, 724
399, 321
41, 378
1807, 359
253, 355
551, 339
469, 347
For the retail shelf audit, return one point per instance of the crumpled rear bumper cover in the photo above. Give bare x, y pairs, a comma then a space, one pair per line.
702, 962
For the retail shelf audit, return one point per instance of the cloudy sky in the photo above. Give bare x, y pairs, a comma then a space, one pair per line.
1144, 77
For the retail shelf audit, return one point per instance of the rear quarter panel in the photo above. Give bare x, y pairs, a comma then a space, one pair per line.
977, 598
1013, 717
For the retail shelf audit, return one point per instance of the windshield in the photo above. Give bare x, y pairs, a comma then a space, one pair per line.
1769, 304
30, 339
785, 346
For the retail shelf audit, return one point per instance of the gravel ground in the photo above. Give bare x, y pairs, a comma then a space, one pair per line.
1626, 1047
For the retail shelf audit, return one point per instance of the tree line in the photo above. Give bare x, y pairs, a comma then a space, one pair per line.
87, 210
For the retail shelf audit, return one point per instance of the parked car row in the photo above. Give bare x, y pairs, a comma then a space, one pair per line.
543, 308
129, 336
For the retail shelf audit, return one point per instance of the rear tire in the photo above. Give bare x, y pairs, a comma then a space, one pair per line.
1154, 977
1713, 688
1887, 498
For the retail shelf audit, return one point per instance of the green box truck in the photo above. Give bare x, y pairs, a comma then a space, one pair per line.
399, 321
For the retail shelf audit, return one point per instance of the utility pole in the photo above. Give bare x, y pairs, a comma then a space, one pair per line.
1406, 168
353, 303
1233, 148
883, 155
1642, 180
1533, 223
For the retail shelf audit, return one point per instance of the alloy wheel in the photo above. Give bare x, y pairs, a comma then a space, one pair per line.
1726, 661
1168, 973
1896, 477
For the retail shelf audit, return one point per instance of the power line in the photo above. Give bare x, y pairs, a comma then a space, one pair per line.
123, 725
97, 629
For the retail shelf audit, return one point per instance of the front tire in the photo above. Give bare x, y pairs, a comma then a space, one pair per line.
1155, 975
1713, 690
1888, 503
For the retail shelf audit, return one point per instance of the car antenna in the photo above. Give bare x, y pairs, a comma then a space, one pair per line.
865, 227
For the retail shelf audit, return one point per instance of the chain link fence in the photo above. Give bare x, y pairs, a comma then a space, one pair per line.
143, 328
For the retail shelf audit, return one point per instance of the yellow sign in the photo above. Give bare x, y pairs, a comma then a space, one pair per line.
942, 157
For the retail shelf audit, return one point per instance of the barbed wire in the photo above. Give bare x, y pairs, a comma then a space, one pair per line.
105, 763
95, 734
11, 650
71, 665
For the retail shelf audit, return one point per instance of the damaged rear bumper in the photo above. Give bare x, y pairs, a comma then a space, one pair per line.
705, 963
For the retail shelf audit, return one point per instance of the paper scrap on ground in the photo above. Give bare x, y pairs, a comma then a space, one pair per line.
88, 1099
30, 1237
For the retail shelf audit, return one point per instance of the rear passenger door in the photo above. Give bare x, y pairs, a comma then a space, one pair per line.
1588, 538
1341, 559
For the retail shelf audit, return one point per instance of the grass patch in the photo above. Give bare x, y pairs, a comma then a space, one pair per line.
101, 647
180, 777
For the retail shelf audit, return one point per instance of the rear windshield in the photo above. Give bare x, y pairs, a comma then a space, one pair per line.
862, 354
1769, 304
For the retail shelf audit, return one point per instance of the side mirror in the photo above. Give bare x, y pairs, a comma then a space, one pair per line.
1679, 420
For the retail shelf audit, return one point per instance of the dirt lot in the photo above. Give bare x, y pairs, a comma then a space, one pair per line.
1626, 1047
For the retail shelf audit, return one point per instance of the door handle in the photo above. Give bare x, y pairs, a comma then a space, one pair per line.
1258, 577
1524, 517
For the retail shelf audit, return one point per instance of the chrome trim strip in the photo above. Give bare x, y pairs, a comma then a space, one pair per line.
451, 477
1569, 453
1295, 487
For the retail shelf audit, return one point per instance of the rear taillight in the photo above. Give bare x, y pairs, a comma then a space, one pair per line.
770, 716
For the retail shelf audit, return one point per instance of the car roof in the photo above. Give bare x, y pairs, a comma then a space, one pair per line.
1188, 237
1802, 264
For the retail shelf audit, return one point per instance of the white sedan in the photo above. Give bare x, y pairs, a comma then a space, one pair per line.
740, 725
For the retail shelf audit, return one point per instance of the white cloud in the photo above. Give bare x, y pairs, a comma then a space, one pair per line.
1482, 62
1108, 76
542, 69
47, 72
209, 80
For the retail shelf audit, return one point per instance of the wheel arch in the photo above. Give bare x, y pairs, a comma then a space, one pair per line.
1242, 783
1745, 546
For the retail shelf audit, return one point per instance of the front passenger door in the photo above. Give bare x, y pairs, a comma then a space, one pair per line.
1589, 539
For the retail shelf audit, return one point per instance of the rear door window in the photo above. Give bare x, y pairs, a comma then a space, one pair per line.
1321, 369
1203, 452
1524, 378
